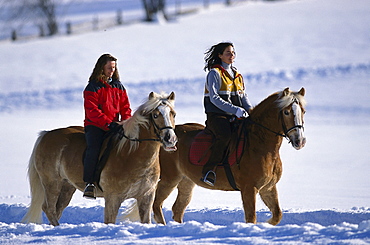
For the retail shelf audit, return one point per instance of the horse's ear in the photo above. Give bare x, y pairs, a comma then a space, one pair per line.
286, 91
171, 96
152, 95
302, 91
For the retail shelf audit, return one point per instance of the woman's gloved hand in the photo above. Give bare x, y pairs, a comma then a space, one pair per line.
240, 112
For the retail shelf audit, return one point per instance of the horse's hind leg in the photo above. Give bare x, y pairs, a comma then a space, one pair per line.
184, 195
65, 197
270, 197
145, 204
164, 188
52, 190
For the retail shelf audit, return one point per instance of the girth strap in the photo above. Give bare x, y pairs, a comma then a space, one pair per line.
229, 175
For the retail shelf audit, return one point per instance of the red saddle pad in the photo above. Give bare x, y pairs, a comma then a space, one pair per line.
200, 152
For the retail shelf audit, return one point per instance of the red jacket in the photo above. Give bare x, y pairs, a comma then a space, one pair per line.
105, 103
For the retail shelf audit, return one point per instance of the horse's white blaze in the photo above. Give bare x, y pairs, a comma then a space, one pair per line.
297, 112
165, 111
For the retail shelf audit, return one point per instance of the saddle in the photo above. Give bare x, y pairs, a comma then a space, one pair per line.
200, 149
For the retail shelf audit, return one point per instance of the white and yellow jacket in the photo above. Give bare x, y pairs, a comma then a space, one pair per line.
225, 91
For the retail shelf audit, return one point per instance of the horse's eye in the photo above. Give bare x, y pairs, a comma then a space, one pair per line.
286, 112
155, 116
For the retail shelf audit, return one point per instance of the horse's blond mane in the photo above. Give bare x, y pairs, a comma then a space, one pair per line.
280, 99
284, 101
139, 119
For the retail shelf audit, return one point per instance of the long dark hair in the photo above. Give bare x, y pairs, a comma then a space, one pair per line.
98, 72
211, 55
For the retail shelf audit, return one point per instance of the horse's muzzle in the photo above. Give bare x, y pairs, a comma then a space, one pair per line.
170, 140
299, 142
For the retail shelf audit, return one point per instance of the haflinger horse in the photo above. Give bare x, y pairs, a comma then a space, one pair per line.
259, 166
131, 170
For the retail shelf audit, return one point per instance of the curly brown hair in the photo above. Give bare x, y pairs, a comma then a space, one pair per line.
98, 72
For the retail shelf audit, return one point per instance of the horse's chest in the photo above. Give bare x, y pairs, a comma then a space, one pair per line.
270, 171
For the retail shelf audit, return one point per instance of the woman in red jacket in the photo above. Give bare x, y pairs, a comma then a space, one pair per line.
106, 103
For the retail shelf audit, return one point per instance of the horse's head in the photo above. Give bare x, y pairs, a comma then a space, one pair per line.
292, 110
162, 116
156, 115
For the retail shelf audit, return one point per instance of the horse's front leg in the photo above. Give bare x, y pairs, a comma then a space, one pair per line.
249, 194
184, 195
112, 205
164, 188
270, 197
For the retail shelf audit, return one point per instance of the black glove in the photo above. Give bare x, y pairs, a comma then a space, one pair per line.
116, 128
113, 126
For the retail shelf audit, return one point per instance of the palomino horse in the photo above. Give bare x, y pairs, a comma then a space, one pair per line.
131, 171
259, 169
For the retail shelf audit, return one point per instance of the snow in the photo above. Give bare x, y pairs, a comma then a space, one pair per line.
323, 46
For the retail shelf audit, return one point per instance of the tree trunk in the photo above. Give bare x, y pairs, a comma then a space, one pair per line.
152, 7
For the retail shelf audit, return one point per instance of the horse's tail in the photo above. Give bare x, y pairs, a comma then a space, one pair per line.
131, 212
34, 213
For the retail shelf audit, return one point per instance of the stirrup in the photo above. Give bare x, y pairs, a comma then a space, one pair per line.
209, 178
90, 191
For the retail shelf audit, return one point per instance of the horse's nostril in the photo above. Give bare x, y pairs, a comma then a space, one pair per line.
167, 137
299, 143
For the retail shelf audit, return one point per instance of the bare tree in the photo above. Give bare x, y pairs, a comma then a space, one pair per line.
152, 7
41, 13
46, 8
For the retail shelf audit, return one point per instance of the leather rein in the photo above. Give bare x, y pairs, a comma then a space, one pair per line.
286, 131
157, 129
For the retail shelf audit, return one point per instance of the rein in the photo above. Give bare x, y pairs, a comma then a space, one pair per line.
156, 127
286, 131
262, 126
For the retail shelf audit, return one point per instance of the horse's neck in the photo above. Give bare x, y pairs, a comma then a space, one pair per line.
149, 137
264, 135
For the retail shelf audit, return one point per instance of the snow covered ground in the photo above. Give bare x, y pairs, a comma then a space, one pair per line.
323, 46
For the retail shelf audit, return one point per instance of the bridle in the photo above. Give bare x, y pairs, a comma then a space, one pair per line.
285, 130
157, 131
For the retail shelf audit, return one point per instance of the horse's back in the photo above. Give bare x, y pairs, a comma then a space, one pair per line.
51, 142
57, 147
170, 161
188, 130
189, 127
